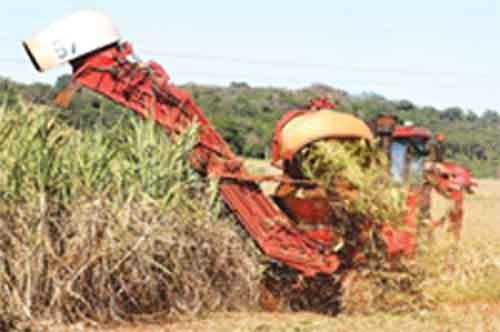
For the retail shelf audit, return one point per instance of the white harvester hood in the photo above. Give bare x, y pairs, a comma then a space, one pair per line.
69, 38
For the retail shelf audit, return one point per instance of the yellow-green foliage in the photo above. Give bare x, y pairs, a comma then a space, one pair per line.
110, 224
365, 169
43, 157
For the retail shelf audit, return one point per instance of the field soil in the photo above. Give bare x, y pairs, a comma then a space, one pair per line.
472, 317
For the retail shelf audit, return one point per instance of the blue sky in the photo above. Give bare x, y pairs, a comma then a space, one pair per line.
433, 52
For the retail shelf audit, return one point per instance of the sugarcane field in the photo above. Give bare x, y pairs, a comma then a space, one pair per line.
215, 188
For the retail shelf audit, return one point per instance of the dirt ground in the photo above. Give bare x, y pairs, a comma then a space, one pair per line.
473, 317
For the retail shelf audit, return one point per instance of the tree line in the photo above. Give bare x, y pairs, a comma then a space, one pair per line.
246, 116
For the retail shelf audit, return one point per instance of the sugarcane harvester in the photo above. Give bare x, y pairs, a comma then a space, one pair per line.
101, 62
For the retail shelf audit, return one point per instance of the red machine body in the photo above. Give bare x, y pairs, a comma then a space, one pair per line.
451, 181
145, 89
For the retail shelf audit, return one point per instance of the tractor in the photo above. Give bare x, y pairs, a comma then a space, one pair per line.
417, 159
292, 226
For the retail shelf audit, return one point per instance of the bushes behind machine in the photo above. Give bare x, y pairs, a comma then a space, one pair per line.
109, 223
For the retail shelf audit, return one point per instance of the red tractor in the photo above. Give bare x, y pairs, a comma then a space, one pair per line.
293, 230
417, 158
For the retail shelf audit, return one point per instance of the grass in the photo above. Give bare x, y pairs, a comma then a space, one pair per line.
111, 224
470, 271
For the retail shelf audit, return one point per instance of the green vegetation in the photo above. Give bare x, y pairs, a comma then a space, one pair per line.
354, 176
108, 222
246, 117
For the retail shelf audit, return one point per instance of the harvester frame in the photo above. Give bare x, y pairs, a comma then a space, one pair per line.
112, 70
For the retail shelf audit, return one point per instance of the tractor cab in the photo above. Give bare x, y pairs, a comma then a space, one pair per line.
406, 146
416, 158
